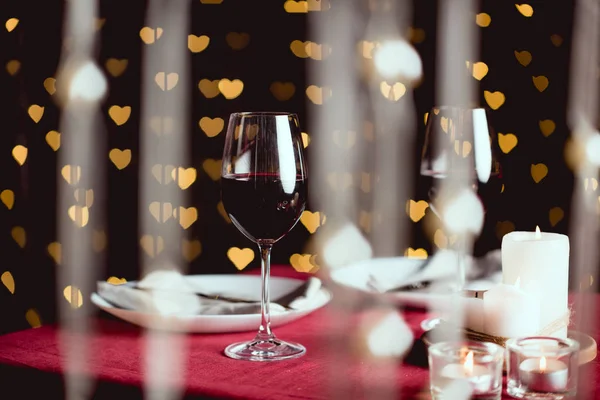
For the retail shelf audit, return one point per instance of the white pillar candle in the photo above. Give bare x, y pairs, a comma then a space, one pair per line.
541, 262
510, 312
544, 375
473, 314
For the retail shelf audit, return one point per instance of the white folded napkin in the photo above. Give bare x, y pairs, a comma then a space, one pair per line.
167, 292
442, 267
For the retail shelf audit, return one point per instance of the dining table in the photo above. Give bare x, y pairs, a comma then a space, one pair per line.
32, 365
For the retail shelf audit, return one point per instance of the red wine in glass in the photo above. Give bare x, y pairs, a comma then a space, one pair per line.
262, 206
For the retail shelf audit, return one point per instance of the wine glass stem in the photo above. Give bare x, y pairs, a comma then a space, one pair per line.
264, 331
461, 261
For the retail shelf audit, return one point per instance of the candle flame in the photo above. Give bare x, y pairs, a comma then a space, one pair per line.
543, 364
518, 283
538, 233
468, 365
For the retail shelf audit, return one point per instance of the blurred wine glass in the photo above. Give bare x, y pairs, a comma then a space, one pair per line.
461, 148
460, 145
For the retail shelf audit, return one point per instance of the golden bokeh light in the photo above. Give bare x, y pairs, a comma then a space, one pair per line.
119, 115
416, 209
237, 40
538, 172
523, 57
13, 66
113, 280
19, 153
116, 67
198, 44
547, 127
33, 318
240, 257
303, 263
494, 99
507, 142
152, 245
191, 249
212, 168
7, 197
74, 296
55, 251
166, 81
525, 9
150, 35
211, 126
11, 24
19, 236
420, 254
231, 89
53, 140
120, 158
50, 85
8, 281
483, 20
312, 220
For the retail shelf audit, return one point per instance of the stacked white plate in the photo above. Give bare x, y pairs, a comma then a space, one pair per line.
243, 286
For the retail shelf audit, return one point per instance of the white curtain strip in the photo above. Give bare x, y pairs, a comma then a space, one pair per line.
342, 112
458, 42
392, 171
81, 87
165, 62
583, 94
356, 101
582, 116
330, 165
395, 130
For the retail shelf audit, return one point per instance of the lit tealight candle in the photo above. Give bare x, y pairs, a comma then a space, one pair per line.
544, 375
478, 376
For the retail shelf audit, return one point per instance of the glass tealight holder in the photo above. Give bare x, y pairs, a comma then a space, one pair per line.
542, 367
473, 369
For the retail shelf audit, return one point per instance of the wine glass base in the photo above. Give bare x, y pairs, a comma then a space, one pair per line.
265, 350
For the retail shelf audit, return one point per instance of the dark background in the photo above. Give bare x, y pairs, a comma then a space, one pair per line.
36, 43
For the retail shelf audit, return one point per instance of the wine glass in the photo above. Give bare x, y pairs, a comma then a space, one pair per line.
460, 147
264, 191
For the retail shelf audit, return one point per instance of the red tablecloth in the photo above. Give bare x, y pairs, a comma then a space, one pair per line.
33, 356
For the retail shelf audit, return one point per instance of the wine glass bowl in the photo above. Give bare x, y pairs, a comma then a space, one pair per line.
459, 146
459, 140
440, 136
264, 191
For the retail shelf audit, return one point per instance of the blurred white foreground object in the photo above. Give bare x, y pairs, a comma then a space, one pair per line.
88, 83
398, 59
464, 213
389, 336
344, 246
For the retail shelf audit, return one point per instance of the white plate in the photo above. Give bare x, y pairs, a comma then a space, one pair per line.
244, 286
399, 270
